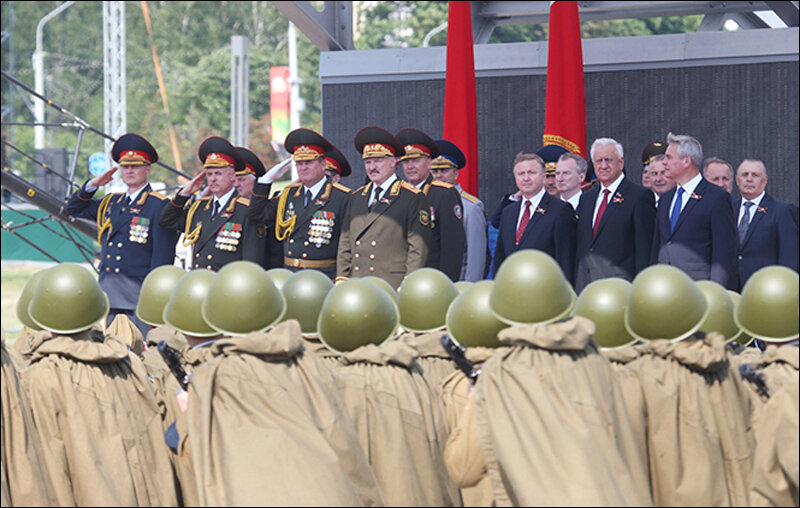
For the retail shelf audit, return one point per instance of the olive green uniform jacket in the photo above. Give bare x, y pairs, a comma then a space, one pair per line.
697, 414
23, 480
312, 241
551, 423
97, 422
400, 424
217, 240
265, 425
448, 238
388, 241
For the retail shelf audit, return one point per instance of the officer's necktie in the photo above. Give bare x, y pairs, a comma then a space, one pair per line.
745, 222
676, 209
601, 210
215, 208
523, 223
125, 202
308, 198
376, 196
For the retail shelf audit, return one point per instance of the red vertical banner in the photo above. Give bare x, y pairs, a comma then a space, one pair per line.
279, 99
460, 112
565, 107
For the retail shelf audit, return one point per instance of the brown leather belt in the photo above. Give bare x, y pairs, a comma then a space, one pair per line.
309, 263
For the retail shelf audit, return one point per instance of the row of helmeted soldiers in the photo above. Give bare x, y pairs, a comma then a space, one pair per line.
260, 387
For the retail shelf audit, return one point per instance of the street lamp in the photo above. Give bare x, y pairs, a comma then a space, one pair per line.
38, 72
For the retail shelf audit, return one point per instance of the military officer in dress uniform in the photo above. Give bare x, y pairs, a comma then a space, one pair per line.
336, 165
448, 240
131, 241
445, 169
215, 225
386, 232
307, 216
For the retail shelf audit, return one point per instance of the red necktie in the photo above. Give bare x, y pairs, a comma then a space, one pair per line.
526, 217
600, 211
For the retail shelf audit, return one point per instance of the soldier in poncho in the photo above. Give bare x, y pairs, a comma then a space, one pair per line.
95, 416
264, 424
396, 412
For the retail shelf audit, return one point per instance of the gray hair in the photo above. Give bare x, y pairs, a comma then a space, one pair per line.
603, 142
756, 161
580, 163
687, 147
716, 160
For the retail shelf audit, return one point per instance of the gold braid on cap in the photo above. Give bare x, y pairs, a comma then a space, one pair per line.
103, 222
190, 238
283, 227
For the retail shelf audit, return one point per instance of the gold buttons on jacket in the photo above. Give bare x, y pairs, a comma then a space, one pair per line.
372, 256
209, 256
374, 243
355, 269
119, 245
355, 255
116, 270
119, 258
358, 242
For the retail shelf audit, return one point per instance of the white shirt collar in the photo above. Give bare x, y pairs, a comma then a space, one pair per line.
691, 185
224, 199
535, 200
756, 200
614, 185
388, 183
316, 188
136, 193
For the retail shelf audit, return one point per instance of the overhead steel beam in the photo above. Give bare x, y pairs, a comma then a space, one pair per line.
330, 29
503, 13
748, 20
787, 11
712, 22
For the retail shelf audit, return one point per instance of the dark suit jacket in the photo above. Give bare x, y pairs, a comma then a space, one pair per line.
388, 241
134, 244
228, 236
448, 239
704, 243
551, 229
621, 247
316, 232
771, 239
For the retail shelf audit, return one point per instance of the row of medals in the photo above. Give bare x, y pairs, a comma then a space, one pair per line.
321, 231
138, 233
228, 240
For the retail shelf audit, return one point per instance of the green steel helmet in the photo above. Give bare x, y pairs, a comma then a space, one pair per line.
279, 276
603, 302
305, 291
768, 309
156, 290
356, 313
744, 339
183, 310
469, 320
68, 299
243, 299
530, 288
381, 283
720, 310
423, 299
25, 300
664, 304
463, 285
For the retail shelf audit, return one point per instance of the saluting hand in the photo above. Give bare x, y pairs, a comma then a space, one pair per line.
103, 179
194, 185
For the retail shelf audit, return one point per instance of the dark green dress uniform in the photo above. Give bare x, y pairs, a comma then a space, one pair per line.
388, 241
309, 233
448, 238
216, 240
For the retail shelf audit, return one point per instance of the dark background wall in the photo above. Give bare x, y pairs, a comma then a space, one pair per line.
735, 111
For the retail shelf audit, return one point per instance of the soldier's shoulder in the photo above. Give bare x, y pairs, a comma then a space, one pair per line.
407, 186
469, 197
438, 183
360, 189
341, 187
157, 195
243, 201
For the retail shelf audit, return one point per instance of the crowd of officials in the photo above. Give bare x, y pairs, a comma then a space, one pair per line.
602, 355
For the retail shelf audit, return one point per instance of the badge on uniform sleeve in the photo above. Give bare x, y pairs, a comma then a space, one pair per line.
424, 218
457, 211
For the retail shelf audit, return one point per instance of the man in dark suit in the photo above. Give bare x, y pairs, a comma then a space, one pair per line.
386, 230
615, 220
538, 220
132, 243
695, 228
307, 216
215, 225
448, 239
768, 235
